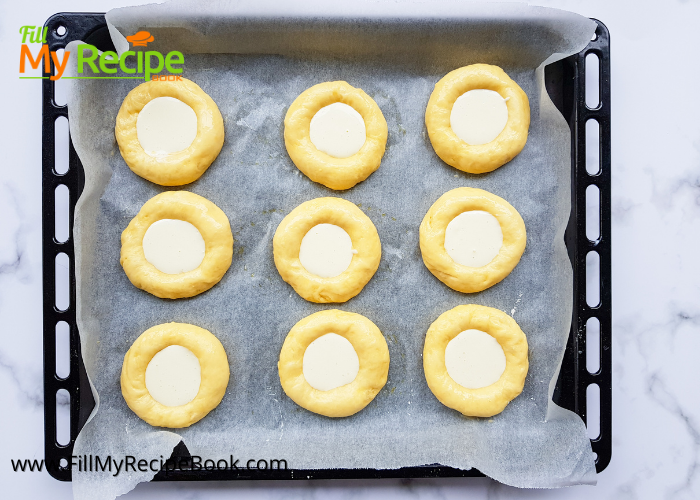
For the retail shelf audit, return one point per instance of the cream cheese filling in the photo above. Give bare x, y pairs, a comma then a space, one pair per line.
479, 116
166, 125
326, 250
173, 246
473, 238
474, 359
329, 362
338, 130
173, 376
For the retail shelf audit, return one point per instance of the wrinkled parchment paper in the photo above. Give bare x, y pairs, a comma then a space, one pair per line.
254, 59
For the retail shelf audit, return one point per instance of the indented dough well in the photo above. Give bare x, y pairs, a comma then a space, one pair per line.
474, 359
166, 125
173, 376
473, 238
326, 250
173, 246
338, 130
479, 116
329, 362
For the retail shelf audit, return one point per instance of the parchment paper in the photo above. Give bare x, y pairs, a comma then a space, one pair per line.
396, 53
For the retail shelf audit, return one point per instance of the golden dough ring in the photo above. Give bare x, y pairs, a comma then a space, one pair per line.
346, 400
335, 173
365, 240
432, 239
212, 362
486, 401
485, 157
182, 167
209, 220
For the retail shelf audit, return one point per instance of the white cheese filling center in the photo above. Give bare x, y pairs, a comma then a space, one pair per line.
326, 250
173, 376
474, 359
166, 125
473, 238
173, 246
479, 116
329, 362
338, 130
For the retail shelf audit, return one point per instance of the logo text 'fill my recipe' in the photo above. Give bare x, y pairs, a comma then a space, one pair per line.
148, 64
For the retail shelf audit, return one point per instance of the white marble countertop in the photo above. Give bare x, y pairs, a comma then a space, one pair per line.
656, 278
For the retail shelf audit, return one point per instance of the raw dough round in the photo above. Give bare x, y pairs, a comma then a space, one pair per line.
335, 173
365, 240
486, 401
346, 400
212, 224
181, 167
432, 239
214, 374
485, 157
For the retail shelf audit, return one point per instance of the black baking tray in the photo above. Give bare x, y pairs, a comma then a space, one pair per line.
566, 84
